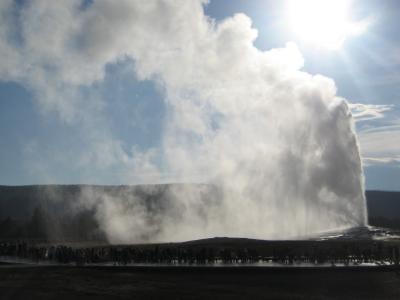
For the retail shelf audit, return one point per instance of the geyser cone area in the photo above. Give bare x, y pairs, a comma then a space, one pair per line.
181, 212
277, 143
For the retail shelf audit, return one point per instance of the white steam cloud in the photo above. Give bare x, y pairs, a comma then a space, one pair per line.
278, 142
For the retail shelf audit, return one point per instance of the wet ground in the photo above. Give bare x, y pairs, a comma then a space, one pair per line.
65, 282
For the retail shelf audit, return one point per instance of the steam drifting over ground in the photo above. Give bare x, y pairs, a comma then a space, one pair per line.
278, 142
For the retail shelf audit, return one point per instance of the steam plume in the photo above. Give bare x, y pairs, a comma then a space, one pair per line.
278, 142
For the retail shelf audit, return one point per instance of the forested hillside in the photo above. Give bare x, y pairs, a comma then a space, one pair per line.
56, 212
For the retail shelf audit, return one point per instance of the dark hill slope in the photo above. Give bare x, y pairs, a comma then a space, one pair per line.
383, 204
51, 210
20, 201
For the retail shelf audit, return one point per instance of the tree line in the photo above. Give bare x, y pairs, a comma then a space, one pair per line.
286, 253
42, 225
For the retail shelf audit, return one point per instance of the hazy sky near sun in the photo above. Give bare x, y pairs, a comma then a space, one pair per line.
38, 144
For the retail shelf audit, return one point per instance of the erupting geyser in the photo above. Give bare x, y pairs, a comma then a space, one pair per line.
277, 142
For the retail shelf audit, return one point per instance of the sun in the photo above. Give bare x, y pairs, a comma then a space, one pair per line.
323, 23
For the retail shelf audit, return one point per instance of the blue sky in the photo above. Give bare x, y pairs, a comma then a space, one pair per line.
43, 143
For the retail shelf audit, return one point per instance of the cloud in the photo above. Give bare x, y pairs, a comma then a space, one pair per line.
373, 161
366, 112
378, 132
380, 145
277, 141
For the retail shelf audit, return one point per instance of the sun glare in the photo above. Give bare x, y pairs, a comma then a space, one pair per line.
323, 23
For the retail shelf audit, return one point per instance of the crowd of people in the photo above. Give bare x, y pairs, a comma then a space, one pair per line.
194, 254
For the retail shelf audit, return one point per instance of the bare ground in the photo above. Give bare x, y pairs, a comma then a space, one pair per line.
63, 282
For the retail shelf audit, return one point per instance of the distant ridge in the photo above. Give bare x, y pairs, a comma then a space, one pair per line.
384, 204
20, 201
49, 211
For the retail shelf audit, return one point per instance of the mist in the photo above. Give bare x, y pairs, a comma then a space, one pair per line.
277, 143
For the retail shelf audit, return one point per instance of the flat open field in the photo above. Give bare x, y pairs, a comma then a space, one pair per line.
64, 282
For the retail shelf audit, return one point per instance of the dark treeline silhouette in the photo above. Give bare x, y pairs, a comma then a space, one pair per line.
25, 211
383, 209
385, 222
212, 251
383, 204
42, 225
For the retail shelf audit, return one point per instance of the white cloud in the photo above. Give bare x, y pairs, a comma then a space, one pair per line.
373, 161
367, 112
380, 145
378, 133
